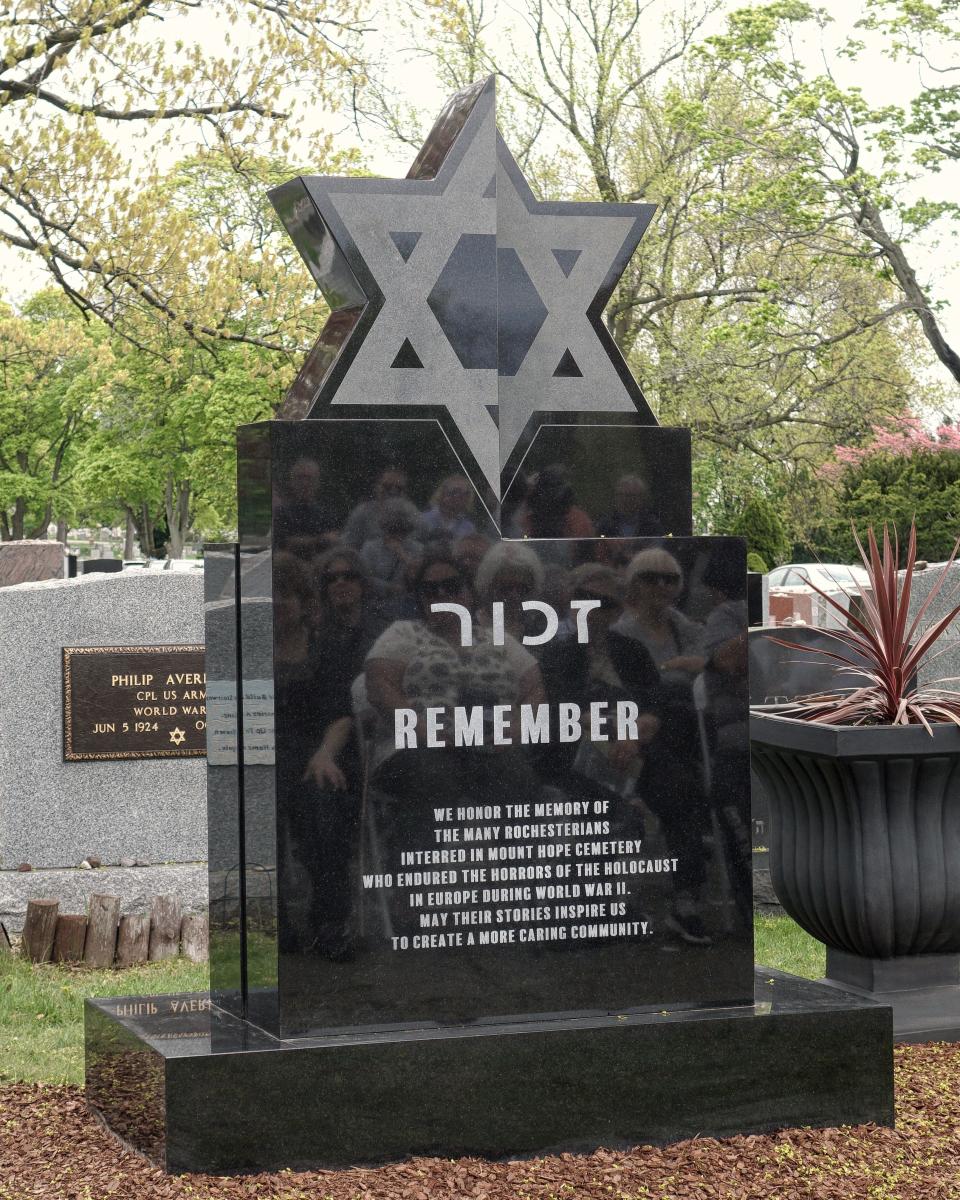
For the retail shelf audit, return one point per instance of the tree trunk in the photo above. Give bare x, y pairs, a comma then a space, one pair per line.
128, 534
870, 220
138, 523
184, 515
177, 508
62, 530
20, 506
41, 531
907, 279
147, 544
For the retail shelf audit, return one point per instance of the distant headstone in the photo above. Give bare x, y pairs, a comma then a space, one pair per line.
780, 673
101, 566
30, 562
55, 813
944, 664
754, 598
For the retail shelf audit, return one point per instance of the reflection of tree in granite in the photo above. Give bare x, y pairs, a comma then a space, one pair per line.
127, 1087
225, 949
262, 916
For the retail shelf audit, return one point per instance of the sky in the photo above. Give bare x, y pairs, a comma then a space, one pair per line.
881, 80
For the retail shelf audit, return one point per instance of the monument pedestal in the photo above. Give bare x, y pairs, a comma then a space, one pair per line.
923, 990
203, 1091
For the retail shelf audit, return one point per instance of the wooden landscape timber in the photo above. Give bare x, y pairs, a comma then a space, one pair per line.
69, 938
104, 938
39, 929
165, 921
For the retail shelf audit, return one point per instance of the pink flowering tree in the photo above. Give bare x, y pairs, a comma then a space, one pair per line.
905, 471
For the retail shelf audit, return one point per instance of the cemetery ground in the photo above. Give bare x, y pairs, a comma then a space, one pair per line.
52, 1147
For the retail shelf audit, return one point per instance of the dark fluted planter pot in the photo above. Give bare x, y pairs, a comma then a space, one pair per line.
864, 832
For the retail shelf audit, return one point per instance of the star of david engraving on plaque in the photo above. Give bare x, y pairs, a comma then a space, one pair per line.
456, 291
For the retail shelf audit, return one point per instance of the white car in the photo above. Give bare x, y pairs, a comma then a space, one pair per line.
838, 580
165, 564
829, 577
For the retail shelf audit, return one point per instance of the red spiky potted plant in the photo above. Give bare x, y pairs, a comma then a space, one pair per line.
864, 786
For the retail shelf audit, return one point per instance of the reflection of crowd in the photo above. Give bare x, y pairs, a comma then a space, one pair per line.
392, 534
419, 664
356, 638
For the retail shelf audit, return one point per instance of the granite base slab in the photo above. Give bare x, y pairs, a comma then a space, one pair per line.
195, 1089
923, 990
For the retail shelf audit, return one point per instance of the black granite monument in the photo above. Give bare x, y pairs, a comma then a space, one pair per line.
478, 751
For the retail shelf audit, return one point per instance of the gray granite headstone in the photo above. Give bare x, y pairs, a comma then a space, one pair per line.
29, 561
54, 813
943, 662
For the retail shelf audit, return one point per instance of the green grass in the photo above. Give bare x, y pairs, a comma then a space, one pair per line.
41, 1007
781, 943
41, 1010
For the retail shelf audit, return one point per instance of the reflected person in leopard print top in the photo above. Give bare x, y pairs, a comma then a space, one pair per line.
421, 663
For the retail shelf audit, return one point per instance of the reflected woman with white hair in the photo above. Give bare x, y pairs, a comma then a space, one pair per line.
654, 581
511, 572
449, 516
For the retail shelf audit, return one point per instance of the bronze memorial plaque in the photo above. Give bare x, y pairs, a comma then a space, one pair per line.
133, 702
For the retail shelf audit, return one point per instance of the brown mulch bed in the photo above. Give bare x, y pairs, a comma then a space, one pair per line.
52, 1148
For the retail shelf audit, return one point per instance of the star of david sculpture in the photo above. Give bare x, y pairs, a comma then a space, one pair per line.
455, 290
478, 764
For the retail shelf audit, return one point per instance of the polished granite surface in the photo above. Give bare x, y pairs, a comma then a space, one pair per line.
492, 758
187, 1025
197, 1090
484, 777
224, 796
